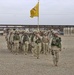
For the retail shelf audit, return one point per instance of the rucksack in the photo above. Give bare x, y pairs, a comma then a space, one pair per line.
56, 41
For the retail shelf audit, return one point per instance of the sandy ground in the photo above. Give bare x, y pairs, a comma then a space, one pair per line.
11, 64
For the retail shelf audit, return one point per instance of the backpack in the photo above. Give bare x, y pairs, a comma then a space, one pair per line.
56, 41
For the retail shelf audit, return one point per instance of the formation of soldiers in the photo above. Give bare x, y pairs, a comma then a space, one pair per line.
35, 42
68, 31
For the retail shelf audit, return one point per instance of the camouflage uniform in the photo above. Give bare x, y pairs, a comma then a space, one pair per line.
7, 39
50, 40
11, 40
45, 41
55, 48
20, 42
16, 42
33, 44
25, 43
38, 46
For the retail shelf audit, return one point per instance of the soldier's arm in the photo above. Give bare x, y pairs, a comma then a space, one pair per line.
39, 36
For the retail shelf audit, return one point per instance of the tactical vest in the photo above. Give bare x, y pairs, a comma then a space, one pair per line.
32, 38
25, 38
16, 37
45, 39
38, 40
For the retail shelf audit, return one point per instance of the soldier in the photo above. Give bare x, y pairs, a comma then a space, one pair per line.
50, 39
11, 40
33, 44
30, 42
25, 39
55, 47
16, 41
21, 41
45, 41
7, 39
38, 44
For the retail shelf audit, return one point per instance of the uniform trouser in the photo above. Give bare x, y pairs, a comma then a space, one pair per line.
34, 48
12, 47
25, 47
20, 46
45, 47
8, 45
38, 49
16, 45
55, 51
49, 44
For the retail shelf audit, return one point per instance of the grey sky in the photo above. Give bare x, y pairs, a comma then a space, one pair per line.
52, 12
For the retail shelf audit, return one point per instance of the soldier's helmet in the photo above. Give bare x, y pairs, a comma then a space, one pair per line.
16, 31
26, 31
55, 33
11, 31
36, 32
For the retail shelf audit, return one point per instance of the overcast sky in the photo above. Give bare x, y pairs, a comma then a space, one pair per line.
52, 12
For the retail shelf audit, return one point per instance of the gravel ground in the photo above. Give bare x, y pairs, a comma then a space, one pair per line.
11, 64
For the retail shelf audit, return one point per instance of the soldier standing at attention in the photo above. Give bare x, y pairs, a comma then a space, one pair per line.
45, 41
55, 47
25, 42
38, 44
7, 39
21, 41
11, 40
33, 44
16, 41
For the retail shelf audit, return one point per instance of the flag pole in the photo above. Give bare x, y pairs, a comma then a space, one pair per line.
38, 17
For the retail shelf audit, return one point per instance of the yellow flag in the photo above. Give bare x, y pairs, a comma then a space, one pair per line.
34, 12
